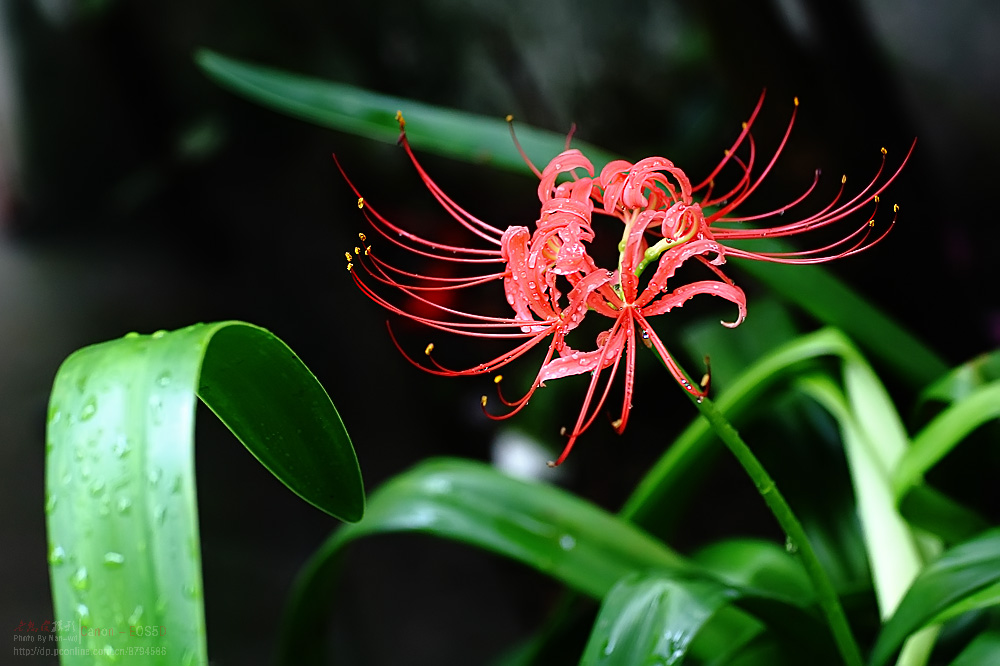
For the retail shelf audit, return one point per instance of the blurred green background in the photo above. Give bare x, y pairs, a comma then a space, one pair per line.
137, 195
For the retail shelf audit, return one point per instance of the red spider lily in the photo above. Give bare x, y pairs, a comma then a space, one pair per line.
663, 224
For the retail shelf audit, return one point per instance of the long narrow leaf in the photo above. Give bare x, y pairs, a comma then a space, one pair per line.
124, 554
959, 573
456, 134
944, 433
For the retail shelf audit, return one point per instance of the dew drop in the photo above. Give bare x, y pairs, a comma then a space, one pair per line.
136, 616
131, 334
124, 505
164, 378
160, 515
156, 410
154, 476
121, 447
83, 613
57, 556
50, 503
158, 334
567, 542
114, 560
80, 579
89, 409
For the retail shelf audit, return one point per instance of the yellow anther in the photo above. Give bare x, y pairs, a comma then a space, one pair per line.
348, 256
368, 248
726, 152
705, 379
562, 431
744, 125
871, 222
362, 238
895, 208
796, 101
498, 379
349, 266
482, 401
509, 118
357, 250
843, 179
884, 151
400, 120
617, 423
361, 202
876, 198
429, 348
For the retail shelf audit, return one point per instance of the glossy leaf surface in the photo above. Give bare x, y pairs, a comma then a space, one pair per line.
124, 553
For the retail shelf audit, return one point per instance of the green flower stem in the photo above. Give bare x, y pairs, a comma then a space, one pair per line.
828, 599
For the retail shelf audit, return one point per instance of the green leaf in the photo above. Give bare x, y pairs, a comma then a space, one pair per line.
983, 649
124, 553
961, 572
872, 436
961, 381
651, 619
447, 132
539, 525
944, 433
831, 301
759, 566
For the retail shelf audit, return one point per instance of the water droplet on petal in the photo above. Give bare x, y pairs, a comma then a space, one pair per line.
163, 379
567, 542
158, 334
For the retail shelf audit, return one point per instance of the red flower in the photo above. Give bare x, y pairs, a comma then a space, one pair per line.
666, 222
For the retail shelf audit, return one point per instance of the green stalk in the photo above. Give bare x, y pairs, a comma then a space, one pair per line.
828, 600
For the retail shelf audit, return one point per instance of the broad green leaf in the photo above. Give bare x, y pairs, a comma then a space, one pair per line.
456, 134
761, 567
961, 572
652, 619
124, 553
539, 525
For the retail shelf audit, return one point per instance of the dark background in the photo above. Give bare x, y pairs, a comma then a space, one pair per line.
136, 195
